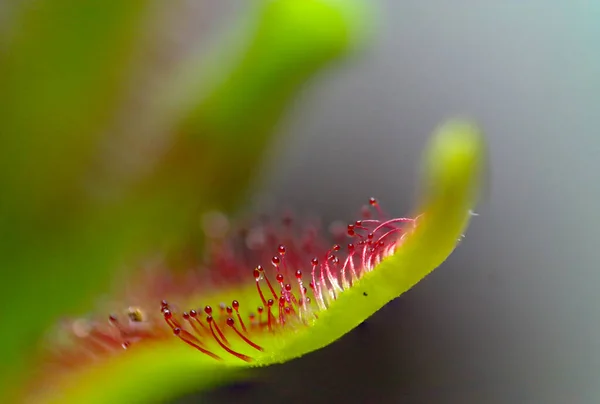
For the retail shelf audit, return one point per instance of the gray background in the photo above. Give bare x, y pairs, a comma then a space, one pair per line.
512, 316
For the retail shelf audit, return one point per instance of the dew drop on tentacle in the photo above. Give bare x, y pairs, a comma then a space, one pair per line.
236, 306
191, 320
281, 309
209, 318
314, 285
196, 321
332, 260
351, 230
260, 310
269, 314
302, 306
170, 320
266, 278
257, 277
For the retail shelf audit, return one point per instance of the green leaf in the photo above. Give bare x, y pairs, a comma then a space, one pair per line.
62, 65
232, 123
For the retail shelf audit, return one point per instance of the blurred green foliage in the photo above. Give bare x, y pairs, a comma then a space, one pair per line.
64, 68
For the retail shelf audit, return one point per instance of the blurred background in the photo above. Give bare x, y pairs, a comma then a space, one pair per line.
513, 315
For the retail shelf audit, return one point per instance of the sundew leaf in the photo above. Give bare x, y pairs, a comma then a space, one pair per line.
206, 351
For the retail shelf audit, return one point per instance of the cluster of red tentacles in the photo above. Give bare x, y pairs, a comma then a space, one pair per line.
302, 278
